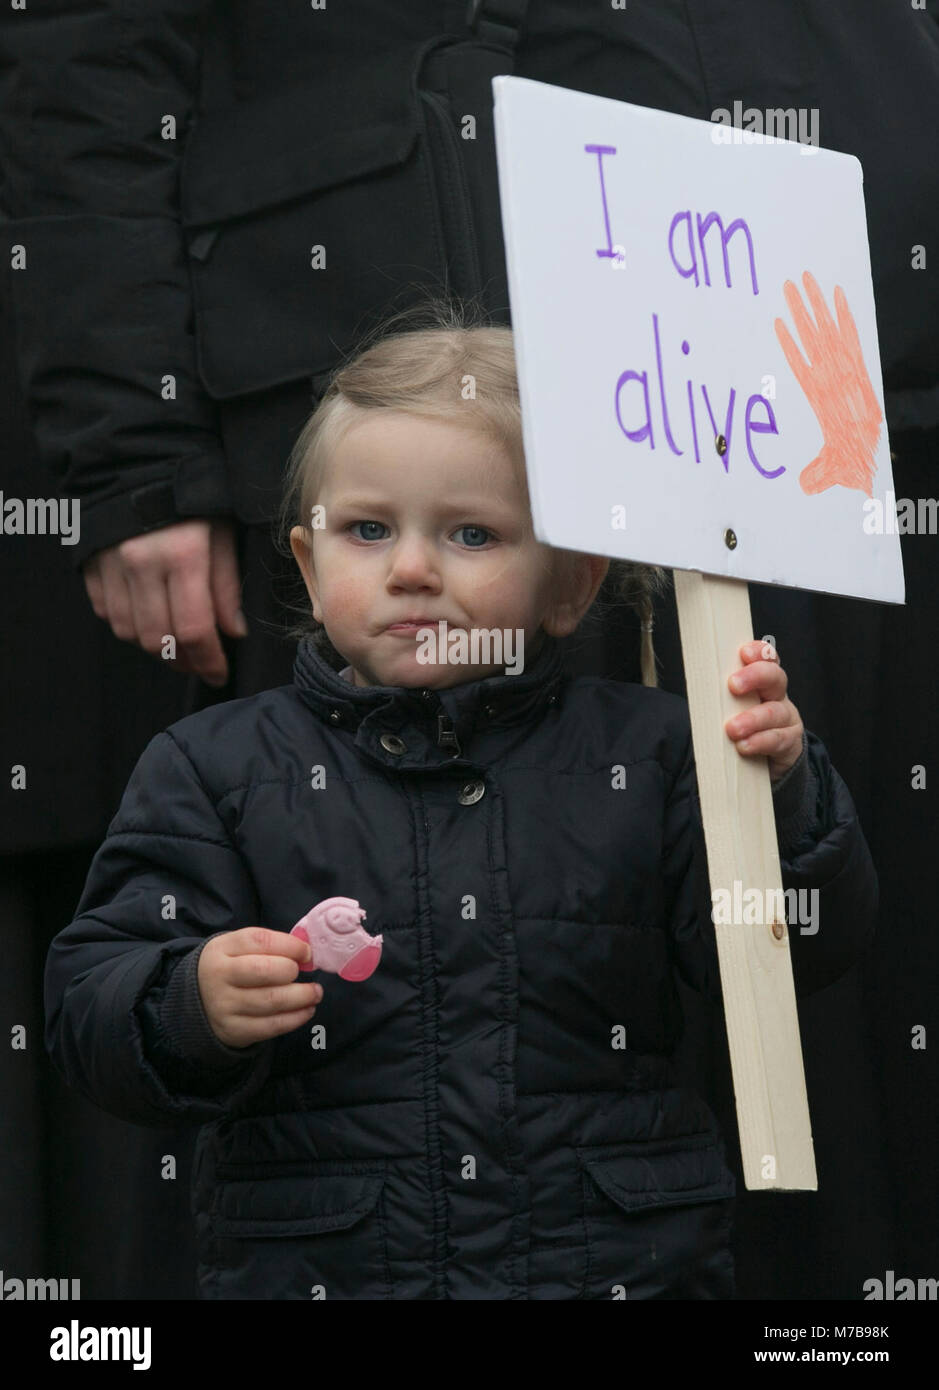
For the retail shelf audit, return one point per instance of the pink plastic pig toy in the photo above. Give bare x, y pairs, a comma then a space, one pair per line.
340, 944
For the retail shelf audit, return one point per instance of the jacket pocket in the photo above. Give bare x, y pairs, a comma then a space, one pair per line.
306, 211
657, 1220
302, 1236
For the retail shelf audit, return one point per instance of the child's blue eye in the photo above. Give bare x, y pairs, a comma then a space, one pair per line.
479, 531
379, 524
478, 535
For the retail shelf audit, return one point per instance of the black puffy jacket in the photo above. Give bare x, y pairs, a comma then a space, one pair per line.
469, 1129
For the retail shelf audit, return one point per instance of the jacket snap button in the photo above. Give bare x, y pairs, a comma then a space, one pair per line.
471, 792
490, 710
392, 744
335, 716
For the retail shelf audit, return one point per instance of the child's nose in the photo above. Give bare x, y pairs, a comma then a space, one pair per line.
414, 560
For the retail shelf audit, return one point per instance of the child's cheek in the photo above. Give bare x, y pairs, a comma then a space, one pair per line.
506, 582
344, 602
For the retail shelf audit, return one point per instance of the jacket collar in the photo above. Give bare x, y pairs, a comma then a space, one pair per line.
404, 727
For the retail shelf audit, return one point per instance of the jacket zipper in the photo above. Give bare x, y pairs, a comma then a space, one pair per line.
446, 735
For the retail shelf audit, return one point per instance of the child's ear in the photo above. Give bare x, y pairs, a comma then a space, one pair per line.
576, 582
302, 549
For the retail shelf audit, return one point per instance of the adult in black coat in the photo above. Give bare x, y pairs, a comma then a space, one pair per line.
76, 707
250, 189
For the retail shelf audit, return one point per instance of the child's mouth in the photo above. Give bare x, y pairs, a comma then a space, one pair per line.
414, 626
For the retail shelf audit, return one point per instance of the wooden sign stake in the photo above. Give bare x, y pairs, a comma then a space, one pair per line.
740, 835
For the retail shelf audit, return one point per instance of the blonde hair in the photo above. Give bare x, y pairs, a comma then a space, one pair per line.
448, 362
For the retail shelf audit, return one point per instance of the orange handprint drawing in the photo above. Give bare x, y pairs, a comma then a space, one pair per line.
837, 387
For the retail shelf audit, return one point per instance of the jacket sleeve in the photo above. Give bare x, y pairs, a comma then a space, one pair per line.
124, 1022
822, 850
99, 281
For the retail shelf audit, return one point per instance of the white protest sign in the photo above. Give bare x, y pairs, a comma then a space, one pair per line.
696, 344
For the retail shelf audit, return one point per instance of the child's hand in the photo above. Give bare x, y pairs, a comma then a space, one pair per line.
773, 727
244, 980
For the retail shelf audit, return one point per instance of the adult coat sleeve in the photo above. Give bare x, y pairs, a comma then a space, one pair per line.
165, 880
95, 104
831, 855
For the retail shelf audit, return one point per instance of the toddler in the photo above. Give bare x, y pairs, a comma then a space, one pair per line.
493, 1113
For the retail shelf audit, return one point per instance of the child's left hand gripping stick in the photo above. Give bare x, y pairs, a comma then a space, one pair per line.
340, 943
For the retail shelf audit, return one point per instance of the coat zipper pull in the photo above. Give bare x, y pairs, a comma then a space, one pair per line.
446, 736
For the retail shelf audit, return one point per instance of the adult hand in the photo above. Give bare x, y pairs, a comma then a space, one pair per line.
180, 581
